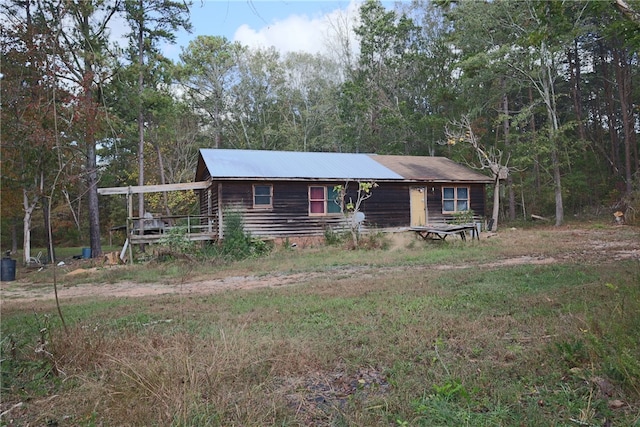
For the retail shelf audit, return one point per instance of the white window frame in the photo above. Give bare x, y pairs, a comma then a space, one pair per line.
456, 199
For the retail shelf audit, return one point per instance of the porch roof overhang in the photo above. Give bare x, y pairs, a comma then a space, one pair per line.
159, 188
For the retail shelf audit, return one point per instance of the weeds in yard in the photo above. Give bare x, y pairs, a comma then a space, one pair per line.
236, 245
408, 344
332, 237
176, 242
614, 331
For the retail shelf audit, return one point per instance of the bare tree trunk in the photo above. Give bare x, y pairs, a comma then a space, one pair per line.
46, 211
547, 91
611, 116
29, 207
94, 211
163, 180
573, 57
496, 204
536, 161
557, 180
140, 122
76, 216
507, 143
623, 78
91, 107
489, 159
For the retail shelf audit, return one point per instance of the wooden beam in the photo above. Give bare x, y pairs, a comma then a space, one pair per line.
154, 238
137, 189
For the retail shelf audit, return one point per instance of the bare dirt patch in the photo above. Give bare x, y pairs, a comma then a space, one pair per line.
535, 246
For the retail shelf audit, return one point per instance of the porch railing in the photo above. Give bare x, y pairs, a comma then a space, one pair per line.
150, 229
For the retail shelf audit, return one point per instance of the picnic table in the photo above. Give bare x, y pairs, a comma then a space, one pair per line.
441, 232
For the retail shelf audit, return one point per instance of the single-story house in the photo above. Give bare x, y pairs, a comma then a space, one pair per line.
284, 193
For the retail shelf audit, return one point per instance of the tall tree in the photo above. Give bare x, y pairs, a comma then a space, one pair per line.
307, 102
151, 22
254, 120
28, 110
85, 65
530, 38
379, 97
208, 71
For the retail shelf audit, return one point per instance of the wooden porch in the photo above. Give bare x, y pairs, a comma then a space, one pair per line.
151, 228
154, 229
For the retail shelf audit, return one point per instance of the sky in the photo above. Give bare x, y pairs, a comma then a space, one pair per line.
288, 25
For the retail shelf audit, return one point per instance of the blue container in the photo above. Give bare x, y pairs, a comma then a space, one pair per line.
8, 270
86, 253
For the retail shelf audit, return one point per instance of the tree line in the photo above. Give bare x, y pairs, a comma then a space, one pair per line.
542, 95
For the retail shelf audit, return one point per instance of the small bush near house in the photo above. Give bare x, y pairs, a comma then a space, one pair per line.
334, 238
373, 240
238, 244
176, 241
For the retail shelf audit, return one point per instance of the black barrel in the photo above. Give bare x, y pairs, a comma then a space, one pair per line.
8, 270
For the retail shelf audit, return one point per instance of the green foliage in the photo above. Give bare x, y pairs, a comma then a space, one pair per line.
451, 390
233, 354
463, 217
238, 244
420, 65
612, 334
332, 237
176, 241
373, 240
573, 352
451, 404
27, 367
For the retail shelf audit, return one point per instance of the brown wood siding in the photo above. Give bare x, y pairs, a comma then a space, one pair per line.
478, 201
434, 201
434, 204
388, 207
289, 215
206, 196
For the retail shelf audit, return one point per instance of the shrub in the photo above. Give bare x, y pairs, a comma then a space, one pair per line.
332, 237
374, 240
238, 244
175, 241
463, 217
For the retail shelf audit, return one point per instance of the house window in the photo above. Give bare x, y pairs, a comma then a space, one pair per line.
263, 196
324, 200
455, 199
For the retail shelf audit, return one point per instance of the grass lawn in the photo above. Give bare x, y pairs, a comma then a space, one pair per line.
534, 327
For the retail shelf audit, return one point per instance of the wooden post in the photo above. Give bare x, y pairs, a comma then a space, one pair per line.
131, 227
209, 211
220, 218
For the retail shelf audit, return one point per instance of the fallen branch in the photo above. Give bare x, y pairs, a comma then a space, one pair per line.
17, 405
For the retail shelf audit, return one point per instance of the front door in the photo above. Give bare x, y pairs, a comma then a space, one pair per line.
418, 197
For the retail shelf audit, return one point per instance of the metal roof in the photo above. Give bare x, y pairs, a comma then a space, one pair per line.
263, 164
225, 163
431, 169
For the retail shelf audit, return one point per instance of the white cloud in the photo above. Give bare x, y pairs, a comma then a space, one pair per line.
118, 31
302, 33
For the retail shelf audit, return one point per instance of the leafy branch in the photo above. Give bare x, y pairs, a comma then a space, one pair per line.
351, 208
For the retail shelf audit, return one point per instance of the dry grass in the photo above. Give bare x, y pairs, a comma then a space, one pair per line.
395, 343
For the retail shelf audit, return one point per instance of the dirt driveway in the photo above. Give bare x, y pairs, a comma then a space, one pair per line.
571, 244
